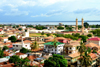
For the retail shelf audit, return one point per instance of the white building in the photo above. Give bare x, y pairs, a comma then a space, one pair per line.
27, 33
19, 45
49, 47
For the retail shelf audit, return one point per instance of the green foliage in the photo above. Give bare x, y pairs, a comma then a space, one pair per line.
56, 61
14, 26
59, 35
96, 32
79, 27
5, 48
60, 27
48, 34
40, 27
12, 38
19, 62
89, 35
14, 59
88, 50
17, 26
94, 51
20, 29
66, 25
30, 26
86, 25
85, 58
23, 63
83, 38
1, 53
25, 30
42, 33
24, 50
69, 28
34, 45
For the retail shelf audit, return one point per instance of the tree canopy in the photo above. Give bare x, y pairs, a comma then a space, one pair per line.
12, 38
40, 27
19, 62
24, 50
42, 33
60, 27
48, 34
56, 61
5, 47
1, 53
86, 25
89, 35
96, 32
20, 29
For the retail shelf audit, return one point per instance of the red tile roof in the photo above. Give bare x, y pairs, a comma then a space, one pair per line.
0, 29
6, 53
10, 46
95, 39
92, 45
31, 57
93, 56
19, 53
7, 65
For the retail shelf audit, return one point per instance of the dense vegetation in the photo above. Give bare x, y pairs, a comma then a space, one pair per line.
96, 32
40, 27
19, 62
60, 28
56, 61
5, 48
1, 53
12, 38
24, 50
73, 36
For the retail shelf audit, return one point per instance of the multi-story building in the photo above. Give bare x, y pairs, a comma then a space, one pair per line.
71, 47
49, 47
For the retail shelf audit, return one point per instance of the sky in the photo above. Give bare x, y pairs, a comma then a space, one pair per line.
49, 10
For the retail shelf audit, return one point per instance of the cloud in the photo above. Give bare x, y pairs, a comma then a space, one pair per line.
16, 12
1, 10
50, 13
17, 3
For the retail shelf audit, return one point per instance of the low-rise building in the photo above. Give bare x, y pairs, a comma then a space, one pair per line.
95, 40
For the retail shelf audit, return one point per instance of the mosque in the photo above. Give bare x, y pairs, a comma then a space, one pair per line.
75, 31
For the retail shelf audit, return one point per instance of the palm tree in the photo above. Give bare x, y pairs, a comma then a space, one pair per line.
55, 44
85, 59
34, 46
81, 48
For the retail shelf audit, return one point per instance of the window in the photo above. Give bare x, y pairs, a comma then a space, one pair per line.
52, 49
16, 45
13, 45
70, 52
26, 45
68, 60
55, 49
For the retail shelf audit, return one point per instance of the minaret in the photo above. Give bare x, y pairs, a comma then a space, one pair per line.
76, 25
82, 25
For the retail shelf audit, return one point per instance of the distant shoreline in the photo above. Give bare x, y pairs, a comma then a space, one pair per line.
49, 22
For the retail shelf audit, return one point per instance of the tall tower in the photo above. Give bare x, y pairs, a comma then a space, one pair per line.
82, 25
76, 25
